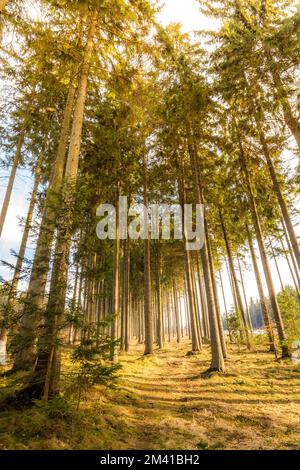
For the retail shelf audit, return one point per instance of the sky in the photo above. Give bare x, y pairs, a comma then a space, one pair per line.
187, 13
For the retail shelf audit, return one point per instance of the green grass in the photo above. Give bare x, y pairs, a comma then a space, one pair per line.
165, 402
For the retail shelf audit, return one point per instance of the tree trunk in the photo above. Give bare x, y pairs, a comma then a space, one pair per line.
216, 298
263, 254
116, 290
147, 276
297, 272
21, 254
42, 383
245, 296
177, 320
203, 301
276, 265
217, 361
127, 294
16, 162
158, 295
286, 255
291, 121
225, 306
235, 282
258, 115
263, 303
37, 283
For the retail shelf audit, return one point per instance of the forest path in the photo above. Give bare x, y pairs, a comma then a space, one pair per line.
170, 404
165, 402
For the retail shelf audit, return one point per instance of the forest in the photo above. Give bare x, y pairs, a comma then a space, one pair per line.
115, 341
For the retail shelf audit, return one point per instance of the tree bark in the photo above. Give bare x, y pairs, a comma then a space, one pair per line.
263, 303
147, 275
177, 320
245, 296
43, 383
16, 162
291, 121
21, 254
258, 116
38, 278
263, 254
216, 298
217, 360
235, 281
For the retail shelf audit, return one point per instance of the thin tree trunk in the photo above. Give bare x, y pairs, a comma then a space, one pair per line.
245, 296
297, 272
147, 275
296, 284
258, 115
216, 298
217, 360
225, 306
203, 301
177, 320
276, 265
37, 283
16, 162
291, 121
263, 303
21, 254
127, 295
235, 282
263, 254
116, 291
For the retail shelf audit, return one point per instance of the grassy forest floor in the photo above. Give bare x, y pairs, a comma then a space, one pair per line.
167, 402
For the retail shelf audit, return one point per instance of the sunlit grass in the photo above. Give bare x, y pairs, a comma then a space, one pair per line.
166, 402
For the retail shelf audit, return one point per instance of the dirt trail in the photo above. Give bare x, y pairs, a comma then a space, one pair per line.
170, 404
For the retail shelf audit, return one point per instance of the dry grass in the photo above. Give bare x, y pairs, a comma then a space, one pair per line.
165, 402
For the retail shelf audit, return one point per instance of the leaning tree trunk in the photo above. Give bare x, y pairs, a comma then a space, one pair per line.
21, 254
291, 121
225, 306
45, 379
286, 255
258, 116
263, 303
281, 200
16, 162
205, 326
263, 254
38, 278
235, 281
297, 272
245, 296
